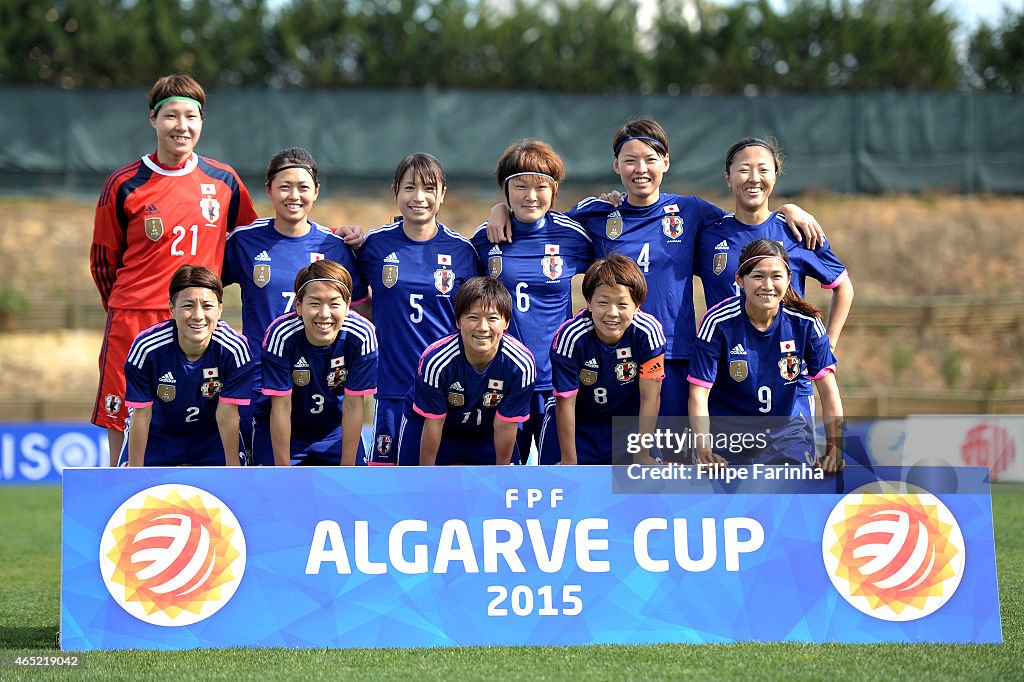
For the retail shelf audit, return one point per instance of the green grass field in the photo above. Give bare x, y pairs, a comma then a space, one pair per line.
30, 613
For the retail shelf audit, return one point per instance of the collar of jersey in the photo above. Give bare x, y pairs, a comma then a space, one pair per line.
154, 165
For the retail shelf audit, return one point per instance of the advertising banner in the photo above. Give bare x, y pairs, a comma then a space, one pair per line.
38, 453
423, 557
993, 441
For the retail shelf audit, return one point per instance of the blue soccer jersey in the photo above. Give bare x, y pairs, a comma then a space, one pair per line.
449, 387
184, 394
751, 372
318, 379
718, 254
661, 239
605, 380
264, 262
413, 287
537, 269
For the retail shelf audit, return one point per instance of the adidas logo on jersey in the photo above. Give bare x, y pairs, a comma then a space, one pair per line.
614, 214
262, 255
167, 378
495, 251
456, 387
151, 209
591, 363
301, 363
722, 246
391, 258
738, 349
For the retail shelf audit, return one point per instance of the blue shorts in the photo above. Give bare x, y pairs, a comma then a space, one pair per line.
387, 422
675, 390
175, 450
530, 430
457, 447
596, 441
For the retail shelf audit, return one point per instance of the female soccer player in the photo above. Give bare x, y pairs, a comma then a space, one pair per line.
186, 378
607, 361
414, 267
262, 258
547, 249
318, 363
658, 231
165, 209
750, 351
472, 388
752, 167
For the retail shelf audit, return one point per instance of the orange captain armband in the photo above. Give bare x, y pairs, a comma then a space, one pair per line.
653, 368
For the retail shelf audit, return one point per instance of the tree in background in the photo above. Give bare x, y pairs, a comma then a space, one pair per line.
554, 45
996, 54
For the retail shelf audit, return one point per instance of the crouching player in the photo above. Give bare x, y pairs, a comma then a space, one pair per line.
472, 388
751, 350
186, 377
318, 363
608, 360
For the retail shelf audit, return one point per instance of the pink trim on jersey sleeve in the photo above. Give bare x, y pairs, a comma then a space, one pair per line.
503, 418
235, 401
699, 382
369, 391
380, 464
427, 415
134, 405
364, 299
831, 369
567, 394
270, 391
843, 276
661, 378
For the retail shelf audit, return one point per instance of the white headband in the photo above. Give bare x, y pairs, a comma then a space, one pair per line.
325, 279
543, 175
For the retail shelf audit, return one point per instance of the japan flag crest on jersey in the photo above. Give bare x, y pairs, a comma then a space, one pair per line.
210, 208
551, 264
444, 279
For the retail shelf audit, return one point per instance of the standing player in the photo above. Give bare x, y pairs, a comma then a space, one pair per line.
168, 208
748, 358
186, 378
607, 361
752, 167
472, 388
262, 258
658, 231
318, 363
414, 267
547, 249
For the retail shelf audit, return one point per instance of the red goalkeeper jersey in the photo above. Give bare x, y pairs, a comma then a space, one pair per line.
151, 219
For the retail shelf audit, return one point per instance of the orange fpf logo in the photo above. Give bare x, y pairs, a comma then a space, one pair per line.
897, 557
172, 555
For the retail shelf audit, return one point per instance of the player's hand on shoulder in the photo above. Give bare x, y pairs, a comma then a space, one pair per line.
499, 225
352, 234
614, 197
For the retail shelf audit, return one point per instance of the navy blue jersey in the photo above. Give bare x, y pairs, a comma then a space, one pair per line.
264, 262
413, 287
606, 379
448, 386
661, 238
537, 269
318, 378
757, 373
718, 254
184, 394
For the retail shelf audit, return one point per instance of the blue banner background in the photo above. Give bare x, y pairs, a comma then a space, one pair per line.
781, 592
